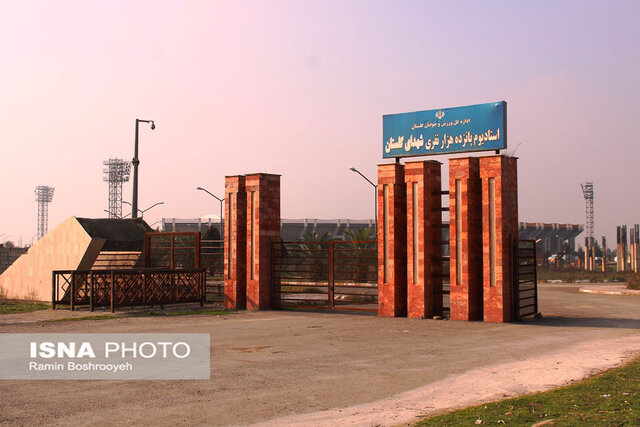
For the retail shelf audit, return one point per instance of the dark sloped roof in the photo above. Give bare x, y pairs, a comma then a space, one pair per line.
119, 234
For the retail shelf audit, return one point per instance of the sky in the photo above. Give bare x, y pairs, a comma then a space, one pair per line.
299, 88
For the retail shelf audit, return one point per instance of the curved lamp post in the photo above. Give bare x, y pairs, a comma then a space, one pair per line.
142, 211
375, 194
136, 162
118, 217
221, 201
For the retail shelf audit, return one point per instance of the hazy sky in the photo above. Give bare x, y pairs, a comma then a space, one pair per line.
298, 88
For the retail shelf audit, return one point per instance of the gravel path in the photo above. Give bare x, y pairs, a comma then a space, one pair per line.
317, 368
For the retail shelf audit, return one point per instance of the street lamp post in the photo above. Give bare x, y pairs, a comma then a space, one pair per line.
118, 217
221, 201
142, 211
375, 194
136, 162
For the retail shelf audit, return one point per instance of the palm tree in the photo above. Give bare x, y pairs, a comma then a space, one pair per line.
312, 236
313, 248
363, 236
359, 264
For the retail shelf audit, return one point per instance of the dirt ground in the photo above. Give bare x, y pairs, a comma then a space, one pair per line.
288, 368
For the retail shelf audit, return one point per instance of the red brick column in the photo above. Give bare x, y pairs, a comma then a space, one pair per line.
465, 238
499, 233
424, 232
392, 241
263, 227
235, 249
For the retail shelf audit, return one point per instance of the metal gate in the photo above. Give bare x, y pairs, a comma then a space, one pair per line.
526, 279
172, 250
329, 275
212, 259
178, 250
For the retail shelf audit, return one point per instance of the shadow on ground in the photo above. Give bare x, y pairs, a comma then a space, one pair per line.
585, 322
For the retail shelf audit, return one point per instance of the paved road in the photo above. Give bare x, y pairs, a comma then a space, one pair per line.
271, 364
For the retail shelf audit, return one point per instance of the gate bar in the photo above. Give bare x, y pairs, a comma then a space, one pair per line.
54, 289
330, 292
72, 289
91, 291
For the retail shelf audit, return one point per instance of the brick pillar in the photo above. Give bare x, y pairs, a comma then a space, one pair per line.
465, 238
235, 249
424, 232
392, 241
500, 235
263, 227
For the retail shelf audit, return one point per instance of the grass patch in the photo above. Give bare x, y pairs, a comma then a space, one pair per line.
95, 317
573, 274
10, 307
608, 399
147, 314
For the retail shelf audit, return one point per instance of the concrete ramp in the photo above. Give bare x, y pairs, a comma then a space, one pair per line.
73, 245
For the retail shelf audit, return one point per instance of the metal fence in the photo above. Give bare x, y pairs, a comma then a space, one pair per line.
178, 250
212, 259
120, 288
172, 250
526, 279
334, 275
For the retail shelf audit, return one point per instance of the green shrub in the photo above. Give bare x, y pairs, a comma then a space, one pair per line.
633, 281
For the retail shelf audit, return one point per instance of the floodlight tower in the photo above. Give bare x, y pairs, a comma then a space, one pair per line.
587, 191
116, 172
44, 196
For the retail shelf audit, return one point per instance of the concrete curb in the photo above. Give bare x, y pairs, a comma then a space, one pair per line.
610, 292
556, 281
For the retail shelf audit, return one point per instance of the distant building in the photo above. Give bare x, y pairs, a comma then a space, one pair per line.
290, 229
191, 224
8, 256
551, 236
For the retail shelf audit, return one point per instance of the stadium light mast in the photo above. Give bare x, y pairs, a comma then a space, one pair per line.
117, 171
44, 196
587, 191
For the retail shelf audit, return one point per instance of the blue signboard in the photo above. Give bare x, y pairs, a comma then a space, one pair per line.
479, 127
